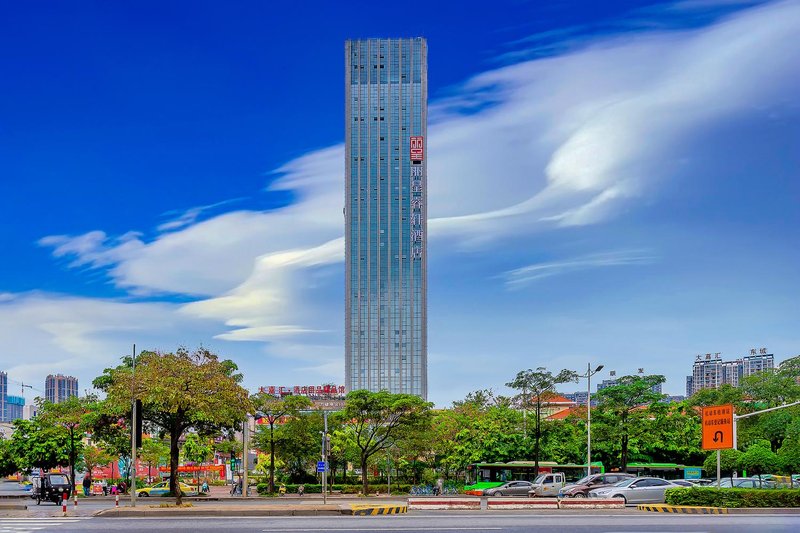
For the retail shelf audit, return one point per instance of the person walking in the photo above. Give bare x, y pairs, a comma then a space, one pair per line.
87, 483
439, 486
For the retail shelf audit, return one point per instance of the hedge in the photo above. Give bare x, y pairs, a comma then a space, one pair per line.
311, 488
731, 497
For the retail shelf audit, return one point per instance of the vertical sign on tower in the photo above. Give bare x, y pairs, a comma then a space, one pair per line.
417, 150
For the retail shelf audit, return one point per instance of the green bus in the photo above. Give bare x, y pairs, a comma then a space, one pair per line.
482, 476
663, 470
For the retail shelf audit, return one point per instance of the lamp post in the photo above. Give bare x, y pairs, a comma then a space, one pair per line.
588, 375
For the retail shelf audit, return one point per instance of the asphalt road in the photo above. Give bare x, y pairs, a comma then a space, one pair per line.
427, 522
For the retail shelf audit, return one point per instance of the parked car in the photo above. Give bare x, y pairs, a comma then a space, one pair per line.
547, 485
636, 490
581, 488
50, 487
162, 488
682, 482
746, 483
510, 488
701, 482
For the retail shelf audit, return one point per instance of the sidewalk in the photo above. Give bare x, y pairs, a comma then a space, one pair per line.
308, 509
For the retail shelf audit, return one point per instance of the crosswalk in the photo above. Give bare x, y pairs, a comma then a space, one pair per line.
29, 525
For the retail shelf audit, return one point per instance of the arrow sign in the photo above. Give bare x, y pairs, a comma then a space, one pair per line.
718, 427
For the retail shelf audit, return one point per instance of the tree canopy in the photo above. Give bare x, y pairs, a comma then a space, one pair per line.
179, 391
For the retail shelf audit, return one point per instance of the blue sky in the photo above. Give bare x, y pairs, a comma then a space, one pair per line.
614, 182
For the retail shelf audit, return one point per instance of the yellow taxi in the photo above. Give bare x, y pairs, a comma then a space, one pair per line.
162, 488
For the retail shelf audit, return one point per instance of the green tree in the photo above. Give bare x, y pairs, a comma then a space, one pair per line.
673, 434
298, 444
725, 394
154, 453
538, 386
36, 444
73, 415
759, 459
623, 409
196, 450
376, 419
94, 456
728, 463
8, 463
273, 409
179, 391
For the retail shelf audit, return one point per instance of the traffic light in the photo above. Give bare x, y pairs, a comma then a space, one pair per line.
138, 423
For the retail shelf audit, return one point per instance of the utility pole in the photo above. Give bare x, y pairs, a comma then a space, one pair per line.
325, 457
133, 429
245, 453
588, 375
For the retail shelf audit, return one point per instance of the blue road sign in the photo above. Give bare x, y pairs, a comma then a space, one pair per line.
321, 466
692, 473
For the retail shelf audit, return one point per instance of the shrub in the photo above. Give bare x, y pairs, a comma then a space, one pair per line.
714, 497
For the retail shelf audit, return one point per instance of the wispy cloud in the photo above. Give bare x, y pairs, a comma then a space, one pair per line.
191, 215
520, 277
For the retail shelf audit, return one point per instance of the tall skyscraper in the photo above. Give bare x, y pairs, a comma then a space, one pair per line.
386, 336
10, 406
58, 388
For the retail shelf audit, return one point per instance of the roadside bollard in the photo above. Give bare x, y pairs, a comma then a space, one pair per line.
64, 504
116, 500
75, 499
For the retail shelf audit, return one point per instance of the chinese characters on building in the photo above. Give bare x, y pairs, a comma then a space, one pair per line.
416, 236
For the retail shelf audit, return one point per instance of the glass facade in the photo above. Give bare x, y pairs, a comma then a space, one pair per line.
386, 89
58, 388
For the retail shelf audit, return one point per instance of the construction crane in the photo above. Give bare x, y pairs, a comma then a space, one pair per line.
24, 386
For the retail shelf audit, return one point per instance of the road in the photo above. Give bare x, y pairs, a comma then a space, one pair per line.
423, 522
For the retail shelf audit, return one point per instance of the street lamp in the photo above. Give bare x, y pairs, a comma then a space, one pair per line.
588, 375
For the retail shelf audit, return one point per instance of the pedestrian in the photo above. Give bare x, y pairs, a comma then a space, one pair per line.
114, 490
87, 483
104, 486
122, 487
204, 488
301, 489
439, 486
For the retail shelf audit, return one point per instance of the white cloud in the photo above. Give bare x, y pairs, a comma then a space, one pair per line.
522, 276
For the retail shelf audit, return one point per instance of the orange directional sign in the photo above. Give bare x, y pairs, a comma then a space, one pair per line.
718, 427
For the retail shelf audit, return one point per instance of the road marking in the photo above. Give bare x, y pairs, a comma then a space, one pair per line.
388, 529
29, 525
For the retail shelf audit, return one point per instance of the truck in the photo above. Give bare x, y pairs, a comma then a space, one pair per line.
547, 485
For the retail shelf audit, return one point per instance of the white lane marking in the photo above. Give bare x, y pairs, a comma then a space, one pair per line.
388, 529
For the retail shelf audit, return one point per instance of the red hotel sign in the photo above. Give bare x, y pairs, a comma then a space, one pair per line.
417, 149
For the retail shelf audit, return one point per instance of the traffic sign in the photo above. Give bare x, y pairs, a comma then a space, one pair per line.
718, 427
692, 472
321, 466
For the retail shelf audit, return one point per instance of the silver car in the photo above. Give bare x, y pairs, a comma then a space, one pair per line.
510, 488
636, 490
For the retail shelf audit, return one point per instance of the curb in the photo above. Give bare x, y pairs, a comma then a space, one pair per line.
682, 509
124, 513
372, 510
444, 503
13, 507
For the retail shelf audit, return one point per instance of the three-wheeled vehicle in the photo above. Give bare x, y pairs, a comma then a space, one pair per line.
50, 487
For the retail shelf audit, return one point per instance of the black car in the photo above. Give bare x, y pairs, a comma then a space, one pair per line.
50, 487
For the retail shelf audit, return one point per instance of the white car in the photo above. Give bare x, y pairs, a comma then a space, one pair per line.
636, 490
